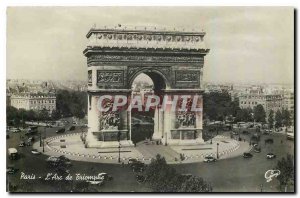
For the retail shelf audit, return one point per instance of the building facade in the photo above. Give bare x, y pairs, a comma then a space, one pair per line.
36, 102
268, 101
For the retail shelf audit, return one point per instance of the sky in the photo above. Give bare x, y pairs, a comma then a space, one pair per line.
247, 44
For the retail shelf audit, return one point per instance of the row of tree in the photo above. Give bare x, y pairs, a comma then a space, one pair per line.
71, 103
279, 119
17, 117
219, 106
162, 177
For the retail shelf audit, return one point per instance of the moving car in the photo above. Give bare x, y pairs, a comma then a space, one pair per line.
257, 149
22, 144
71, 128
271, 156
138, 166
65, 160
209, 159
61, 130
290, 135
15, 130
13, 153
105, 176
131, 161
52, 160
140, 178
35, 152
247, 155
95, 182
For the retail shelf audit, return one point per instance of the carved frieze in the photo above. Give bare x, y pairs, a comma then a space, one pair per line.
100, 58
190, 76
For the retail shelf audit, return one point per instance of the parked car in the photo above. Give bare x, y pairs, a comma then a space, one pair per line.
61, 130
15, 130
13, 153
11, 170
95, 181
22, 144
257, 149
209, 159
140, 178
31, 139
247, 155
52, 161
65, 160
71, 128
271, 156
105, 176
131, 161
138, 166
35, 152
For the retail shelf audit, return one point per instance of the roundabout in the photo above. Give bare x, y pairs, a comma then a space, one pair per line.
72, 146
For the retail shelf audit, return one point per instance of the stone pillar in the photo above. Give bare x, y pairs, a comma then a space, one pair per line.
158, 124
108, 124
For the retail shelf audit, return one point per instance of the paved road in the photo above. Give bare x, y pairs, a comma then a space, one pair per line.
236, 174
124, 178
239, 174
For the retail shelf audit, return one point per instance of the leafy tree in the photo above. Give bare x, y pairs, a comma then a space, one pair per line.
244, 115
259, 114
70, 103
286, 167
271, 119
217, 106
43, 115
195, 184
31, 115
278, 119
161, 177
12, 115
286, 118
55, 115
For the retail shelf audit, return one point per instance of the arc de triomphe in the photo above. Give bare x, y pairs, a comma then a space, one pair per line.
174, 61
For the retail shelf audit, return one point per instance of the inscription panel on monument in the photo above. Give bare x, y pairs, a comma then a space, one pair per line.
112, 77
182, 76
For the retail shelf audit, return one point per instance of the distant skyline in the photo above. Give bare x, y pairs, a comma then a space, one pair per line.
247, 44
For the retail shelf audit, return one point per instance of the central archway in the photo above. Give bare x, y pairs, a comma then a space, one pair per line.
145, 123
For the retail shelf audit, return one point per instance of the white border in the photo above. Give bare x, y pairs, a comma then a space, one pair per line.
5, 3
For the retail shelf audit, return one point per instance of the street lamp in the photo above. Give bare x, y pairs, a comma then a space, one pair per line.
217, 150
40, 138
43, 144
119, 138
44, 139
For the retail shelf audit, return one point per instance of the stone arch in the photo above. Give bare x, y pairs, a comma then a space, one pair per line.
160, 80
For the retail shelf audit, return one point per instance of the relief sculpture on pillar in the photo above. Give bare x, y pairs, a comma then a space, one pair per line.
186, 118
110, 120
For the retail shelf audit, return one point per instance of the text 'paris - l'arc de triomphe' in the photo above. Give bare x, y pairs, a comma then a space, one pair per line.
173, 59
